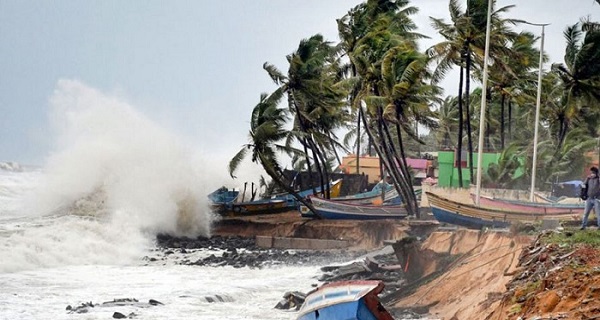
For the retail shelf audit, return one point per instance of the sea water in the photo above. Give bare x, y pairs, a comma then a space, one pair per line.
80, 227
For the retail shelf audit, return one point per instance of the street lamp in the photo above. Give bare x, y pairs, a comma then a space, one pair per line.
537, 108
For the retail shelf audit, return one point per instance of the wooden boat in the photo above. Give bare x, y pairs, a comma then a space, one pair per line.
370, 197
276, 204
334, 189
345, 300
223, 195
345, 211
263, 206
471, 216
525, 206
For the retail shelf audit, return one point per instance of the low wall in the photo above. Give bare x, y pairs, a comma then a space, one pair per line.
300, 243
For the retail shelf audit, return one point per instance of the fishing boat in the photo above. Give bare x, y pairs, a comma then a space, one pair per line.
276, 204
526, 206
223, 196
472, 216
345, 300
263, 206
335, 210
334, 190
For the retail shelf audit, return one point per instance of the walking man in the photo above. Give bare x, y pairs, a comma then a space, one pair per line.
590, 192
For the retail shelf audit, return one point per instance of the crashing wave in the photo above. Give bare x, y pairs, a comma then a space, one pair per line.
11, 166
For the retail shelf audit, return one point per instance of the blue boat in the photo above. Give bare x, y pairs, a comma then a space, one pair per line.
345, 300
292, 202
223, 196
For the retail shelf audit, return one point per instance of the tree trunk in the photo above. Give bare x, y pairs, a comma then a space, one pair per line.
468, 112
502, 100
385, 159
460, 127
510, 119
488, 128
358, 145
331, 142
309, 166
276, 176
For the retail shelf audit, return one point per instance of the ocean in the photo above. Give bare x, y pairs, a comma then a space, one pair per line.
82, 226
69, 257
78, 232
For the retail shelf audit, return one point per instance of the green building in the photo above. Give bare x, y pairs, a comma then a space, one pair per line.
448, 169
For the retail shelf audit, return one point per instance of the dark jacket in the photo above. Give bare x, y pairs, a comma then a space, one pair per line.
591, 187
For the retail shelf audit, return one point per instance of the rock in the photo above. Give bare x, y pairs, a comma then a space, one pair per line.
154, 302
218, 298
118, 315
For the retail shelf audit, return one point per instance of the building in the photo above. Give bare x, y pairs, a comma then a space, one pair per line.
370, 166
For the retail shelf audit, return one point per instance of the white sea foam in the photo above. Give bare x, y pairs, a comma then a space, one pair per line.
115, 180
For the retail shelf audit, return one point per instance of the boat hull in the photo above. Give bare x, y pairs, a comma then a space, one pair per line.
531, 207
253, 208
343, 211
471, 216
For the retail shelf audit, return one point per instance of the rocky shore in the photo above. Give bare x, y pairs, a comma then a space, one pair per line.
451, 273
336, 265
239, 252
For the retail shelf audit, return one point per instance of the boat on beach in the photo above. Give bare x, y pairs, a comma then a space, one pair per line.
347, 211
264, 206
276, 204
526, 206
223, 196
334, 190
345, 300
472, 216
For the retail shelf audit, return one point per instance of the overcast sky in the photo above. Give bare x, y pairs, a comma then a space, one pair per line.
193, 67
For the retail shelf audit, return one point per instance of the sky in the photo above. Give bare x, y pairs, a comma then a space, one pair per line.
193, 67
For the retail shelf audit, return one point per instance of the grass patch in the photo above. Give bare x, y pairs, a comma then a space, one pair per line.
591, 237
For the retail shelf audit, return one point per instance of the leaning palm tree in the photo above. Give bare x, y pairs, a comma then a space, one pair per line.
580, 75
394, 16
314, 99
266, 132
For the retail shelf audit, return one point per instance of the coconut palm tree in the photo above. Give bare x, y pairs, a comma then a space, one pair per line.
266, 134
314, 99
463, 46
580, 77
447, 122
353, 27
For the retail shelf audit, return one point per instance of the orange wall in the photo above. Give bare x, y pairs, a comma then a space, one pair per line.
368, 166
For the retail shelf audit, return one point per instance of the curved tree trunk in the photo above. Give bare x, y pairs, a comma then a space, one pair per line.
276, 176
388, 160
337, 157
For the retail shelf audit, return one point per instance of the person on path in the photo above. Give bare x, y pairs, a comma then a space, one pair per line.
590, 192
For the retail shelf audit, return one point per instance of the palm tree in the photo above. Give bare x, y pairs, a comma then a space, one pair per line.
464, 43
580, 77
266, 132
508, 77
447, 118
353, 27
370, 32
314, 98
